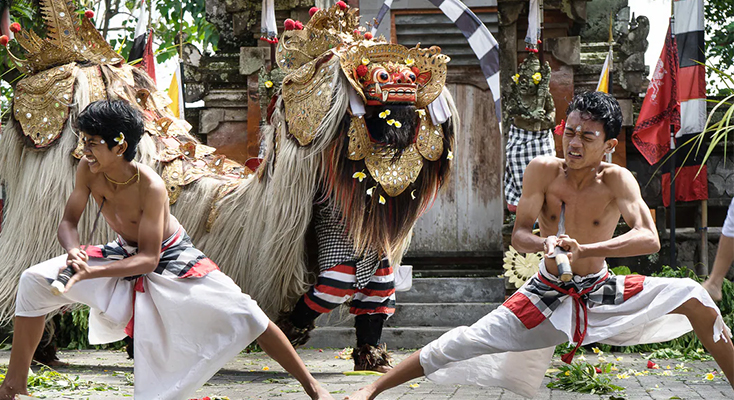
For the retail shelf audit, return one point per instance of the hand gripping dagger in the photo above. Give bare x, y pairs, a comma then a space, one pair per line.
58, 286
564, 266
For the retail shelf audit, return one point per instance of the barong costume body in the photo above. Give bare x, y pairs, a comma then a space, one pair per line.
189, 317
512, 346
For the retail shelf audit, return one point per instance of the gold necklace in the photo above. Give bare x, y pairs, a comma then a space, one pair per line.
136, 175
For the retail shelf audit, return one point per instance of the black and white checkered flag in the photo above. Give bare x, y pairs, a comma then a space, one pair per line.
480, 39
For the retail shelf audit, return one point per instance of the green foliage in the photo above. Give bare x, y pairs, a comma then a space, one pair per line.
583, 377
48, 379
72, 331
621, 270
719, 16
196, 29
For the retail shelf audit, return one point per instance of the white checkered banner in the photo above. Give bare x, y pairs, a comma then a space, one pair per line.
480, 39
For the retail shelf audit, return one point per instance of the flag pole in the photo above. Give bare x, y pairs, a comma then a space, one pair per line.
611, 56
540, 34
673, 262
181, 64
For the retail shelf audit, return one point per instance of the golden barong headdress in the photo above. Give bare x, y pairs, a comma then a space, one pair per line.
69, 38
380, 73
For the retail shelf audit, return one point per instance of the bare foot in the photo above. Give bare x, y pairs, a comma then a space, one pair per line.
8, 392
366, 393
713, 289
322, 394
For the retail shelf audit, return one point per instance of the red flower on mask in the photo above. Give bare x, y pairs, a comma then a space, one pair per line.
313, 10
4, 40
362, 71
15, 27
342, 5
368, 35
299, 25
89, 14
289, 24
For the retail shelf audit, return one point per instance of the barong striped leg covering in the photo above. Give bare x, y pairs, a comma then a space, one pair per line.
336, 285
378, 297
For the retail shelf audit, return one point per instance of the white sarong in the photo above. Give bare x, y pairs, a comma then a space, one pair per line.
185, 329
512, 346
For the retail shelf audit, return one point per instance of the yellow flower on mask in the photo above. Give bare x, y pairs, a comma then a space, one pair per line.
268, 84
382, 200
359, 175
370, 190
421, 112
409, 62
516, 78
395, 123
537, 77
384, 114
365, 61
450, 156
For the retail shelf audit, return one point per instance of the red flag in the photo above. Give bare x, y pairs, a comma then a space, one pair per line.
147, 63
661, 106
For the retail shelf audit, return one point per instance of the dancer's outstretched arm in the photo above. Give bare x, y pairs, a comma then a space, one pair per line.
722, 263
409, 369
277, 346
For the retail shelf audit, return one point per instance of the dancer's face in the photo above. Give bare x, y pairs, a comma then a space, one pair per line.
583, 141
98, 154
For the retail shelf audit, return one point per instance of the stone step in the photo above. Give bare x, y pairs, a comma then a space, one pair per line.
454, 290
419, 314
395, 338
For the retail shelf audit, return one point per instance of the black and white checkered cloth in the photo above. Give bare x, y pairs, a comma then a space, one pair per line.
178, 255
335, 246
522, 147
480, 39
606, 291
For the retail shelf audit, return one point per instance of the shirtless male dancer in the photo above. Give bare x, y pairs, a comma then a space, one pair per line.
512, 346
190, 318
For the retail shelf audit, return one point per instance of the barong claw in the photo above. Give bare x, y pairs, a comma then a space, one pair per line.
564, 266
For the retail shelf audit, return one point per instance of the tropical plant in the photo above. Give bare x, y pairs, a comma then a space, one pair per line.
584, 378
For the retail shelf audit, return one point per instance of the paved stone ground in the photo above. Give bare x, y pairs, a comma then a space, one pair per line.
255, 376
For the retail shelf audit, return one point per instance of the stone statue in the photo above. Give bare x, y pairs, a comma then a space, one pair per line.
633, 72
530, 110
530, 104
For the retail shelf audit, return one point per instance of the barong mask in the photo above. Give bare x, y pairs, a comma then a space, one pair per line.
393, 156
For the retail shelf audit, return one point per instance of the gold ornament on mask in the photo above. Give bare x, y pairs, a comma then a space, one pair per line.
429, 140
430, 64
307, 94
42, 101
326, 30
394, 175
67, 40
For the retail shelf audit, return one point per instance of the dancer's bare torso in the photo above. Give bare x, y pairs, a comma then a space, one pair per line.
595, 199
125, 205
